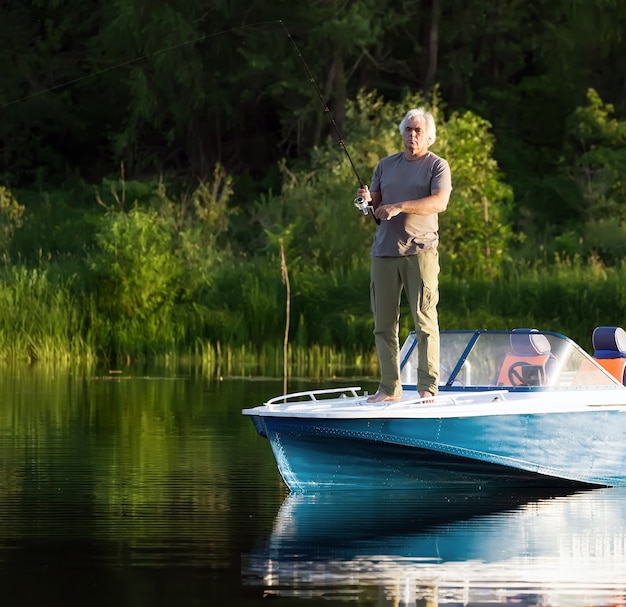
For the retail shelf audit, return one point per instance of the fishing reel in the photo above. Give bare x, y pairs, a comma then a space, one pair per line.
363, 205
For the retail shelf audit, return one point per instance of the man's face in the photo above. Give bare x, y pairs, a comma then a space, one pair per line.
415, 138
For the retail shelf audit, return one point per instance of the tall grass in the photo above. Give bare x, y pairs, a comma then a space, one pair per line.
40, 318
569, 297
236, 325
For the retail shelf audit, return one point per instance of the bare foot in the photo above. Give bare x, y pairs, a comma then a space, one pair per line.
381, 397
427, 396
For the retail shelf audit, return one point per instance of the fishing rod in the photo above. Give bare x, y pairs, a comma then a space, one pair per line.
359, 202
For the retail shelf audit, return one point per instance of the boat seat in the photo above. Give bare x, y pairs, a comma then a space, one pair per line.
609, 345
528, 361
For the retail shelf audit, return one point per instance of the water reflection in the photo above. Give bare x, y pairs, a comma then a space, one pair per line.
141, 489
447, 548
152, 489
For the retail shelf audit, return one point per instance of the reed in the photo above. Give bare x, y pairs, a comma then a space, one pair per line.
237, 326
41, 318
316, 362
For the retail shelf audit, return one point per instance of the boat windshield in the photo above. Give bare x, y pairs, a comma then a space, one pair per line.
509, 359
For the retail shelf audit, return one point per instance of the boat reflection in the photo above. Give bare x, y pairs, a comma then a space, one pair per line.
447, 547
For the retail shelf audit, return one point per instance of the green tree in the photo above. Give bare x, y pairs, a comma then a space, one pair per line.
593, 165
51, 111
476, 229
596, 159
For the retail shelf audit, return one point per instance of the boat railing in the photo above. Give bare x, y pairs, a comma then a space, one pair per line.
449, 398
312, 395
443, 398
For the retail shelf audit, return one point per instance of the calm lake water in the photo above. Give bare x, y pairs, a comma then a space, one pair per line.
151, 488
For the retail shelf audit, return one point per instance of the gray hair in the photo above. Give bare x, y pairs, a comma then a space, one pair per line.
421, 114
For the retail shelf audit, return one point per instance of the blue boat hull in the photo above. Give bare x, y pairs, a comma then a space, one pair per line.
554, 449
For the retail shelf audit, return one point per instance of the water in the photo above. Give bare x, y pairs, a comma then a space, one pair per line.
152, 489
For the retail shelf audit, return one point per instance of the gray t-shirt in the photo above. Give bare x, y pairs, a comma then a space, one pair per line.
399, 179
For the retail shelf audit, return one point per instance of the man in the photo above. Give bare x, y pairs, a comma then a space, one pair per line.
408, 191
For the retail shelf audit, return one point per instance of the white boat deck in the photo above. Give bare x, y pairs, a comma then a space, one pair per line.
350, 403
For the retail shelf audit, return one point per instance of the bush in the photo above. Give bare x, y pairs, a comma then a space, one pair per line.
133, 264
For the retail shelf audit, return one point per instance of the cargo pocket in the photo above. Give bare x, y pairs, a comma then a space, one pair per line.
429, 271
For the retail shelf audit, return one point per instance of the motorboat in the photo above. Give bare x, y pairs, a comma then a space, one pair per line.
514, 408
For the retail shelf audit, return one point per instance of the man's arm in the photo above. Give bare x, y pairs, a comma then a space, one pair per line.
377, 198
437, 202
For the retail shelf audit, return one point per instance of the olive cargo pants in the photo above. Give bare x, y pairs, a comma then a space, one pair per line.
418, 275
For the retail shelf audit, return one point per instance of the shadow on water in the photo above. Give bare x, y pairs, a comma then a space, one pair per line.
443, 547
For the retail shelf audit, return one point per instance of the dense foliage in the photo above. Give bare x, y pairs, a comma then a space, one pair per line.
155, 159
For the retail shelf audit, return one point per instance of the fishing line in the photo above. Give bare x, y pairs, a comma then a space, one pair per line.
359, 202
135, 60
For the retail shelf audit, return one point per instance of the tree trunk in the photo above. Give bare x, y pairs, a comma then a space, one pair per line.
335, 88
433, 47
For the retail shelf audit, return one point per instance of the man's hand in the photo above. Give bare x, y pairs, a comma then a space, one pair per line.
387, 211
363, 192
